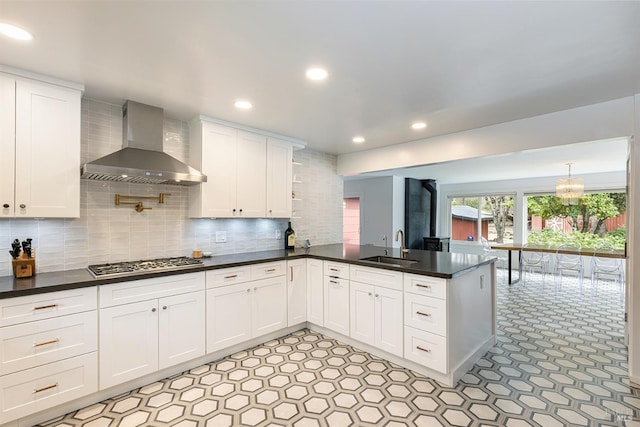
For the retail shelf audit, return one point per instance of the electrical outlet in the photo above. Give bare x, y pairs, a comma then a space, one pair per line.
278, 234
221, 236
482, 281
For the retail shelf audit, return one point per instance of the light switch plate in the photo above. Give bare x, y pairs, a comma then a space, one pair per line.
221, 236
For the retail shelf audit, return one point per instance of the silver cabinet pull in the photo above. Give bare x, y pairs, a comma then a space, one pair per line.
334, 282
233, 276
333, 269
44, 307
370, 294
153, 310
423, 286
271, 270
377, 296
423, 314
426, 350
41, 389
164, 307
23, 206
40, 344
248, 290
291, 271
6, 206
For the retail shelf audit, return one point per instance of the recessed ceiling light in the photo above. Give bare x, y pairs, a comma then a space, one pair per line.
317, 74
14, 32
419, 125
358, 139
243, 105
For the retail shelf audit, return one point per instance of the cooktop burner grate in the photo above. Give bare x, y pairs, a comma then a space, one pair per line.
144, 266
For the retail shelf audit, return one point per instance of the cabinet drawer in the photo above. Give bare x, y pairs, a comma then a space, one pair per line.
376, 276
425, 348
36, 343
268, 269
228, 276
425, 285
426, 313
40, 388
45, 306
336, 269
146, 289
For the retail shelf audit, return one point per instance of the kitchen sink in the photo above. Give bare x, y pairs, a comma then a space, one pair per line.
390, 260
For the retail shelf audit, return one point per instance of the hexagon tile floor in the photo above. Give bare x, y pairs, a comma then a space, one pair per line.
560, 360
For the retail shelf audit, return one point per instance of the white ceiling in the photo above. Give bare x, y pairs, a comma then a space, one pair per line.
456, 65
586, 158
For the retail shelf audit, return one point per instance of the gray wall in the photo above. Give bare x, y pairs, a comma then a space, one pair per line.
106, 233
381, 207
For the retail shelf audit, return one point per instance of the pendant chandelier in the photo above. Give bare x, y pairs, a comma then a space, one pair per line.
570, 190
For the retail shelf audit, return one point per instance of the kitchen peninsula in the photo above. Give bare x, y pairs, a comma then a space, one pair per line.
432, 312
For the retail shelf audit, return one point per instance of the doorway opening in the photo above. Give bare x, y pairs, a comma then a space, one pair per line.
351, 221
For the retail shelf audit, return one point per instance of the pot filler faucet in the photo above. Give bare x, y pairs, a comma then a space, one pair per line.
403, 251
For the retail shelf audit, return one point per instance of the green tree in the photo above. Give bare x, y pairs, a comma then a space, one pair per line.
596, 205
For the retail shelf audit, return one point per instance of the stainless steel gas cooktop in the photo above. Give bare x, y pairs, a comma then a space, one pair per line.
117, 269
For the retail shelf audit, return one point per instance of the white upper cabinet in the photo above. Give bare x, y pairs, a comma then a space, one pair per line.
39, 149
279, 178
251, 166
248, 174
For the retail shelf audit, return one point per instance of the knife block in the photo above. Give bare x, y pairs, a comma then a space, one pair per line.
23, 266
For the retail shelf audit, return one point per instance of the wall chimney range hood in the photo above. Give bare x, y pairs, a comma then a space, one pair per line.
142, 160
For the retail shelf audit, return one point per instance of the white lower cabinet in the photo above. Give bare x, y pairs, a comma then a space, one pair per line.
425, 320
426, 349
315, 292
47, 351
268, 306
336, 304
297, 292
239, 312
376, 311
228, 316
27, 392
138, 338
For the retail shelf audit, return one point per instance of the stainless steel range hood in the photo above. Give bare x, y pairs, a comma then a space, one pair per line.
141, 160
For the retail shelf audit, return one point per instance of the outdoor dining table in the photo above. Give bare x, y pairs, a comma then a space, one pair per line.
510, 247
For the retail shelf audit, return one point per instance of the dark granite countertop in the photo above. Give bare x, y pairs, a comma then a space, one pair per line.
438, 264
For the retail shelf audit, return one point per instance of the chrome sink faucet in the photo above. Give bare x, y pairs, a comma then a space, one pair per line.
403, 251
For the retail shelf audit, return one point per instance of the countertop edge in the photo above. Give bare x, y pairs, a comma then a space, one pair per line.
67, 280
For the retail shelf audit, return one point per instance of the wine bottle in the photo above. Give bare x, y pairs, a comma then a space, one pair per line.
289, 237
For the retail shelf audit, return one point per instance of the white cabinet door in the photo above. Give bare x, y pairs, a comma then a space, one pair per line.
315, 292
7, 145
252, 169
279, 176
336, 304
181, 328
128, 342
269, 305
228, 316
388, 320
213, 151
362, 312
297, 290
47, 182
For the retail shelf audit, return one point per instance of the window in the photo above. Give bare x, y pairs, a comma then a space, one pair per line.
489, 216
597, 220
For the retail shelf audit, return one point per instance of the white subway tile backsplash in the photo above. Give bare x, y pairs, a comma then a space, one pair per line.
108, 233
